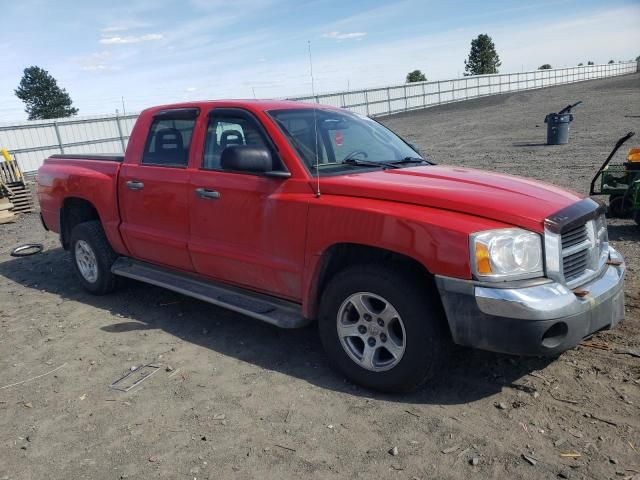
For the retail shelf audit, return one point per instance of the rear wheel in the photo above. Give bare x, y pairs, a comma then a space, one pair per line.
382, 328
92, 258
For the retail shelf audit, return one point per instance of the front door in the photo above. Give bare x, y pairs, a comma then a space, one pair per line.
154, 192
246, 229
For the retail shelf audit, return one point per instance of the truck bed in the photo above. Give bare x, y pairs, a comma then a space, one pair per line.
83, 156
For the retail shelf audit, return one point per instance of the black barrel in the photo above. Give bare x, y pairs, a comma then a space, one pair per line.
558, 125
558, 128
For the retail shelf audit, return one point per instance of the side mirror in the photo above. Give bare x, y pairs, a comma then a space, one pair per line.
242, 158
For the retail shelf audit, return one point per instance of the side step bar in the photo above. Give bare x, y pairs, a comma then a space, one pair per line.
275, 311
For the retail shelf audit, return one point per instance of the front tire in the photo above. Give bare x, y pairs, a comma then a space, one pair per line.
92, 258
383, 328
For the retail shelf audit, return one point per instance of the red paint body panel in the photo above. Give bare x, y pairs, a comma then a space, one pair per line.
155, 220
254, 234
506, 198
270, 234
94, 181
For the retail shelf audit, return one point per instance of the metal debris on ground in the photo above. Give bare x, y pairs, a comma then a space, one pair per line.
27, 249
34, 378
571, 455
285, 448
134, 378
627, 351
600, 419
598, 345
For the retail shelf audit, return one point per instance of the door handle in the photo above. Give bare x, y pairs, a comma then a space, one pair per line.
135, 185
207, 194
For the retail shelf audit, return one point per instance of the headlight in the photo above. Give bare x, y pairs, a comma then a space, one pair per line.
506, 254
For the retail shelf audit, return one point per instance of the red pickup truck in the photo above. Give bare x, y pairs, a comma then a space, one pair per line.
290, 212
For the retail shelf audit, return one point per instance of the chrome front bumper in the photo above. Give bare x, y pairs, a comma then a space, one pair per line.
539, 317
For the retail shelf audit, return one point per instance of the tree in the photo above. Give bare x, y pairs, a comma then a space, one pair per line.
580, 64
483, 58
638, 58
590, 63
611, 61
42, 95
546, 66
416, 76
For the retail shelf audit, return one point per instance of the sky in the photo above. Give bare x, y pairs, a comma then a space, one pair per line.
152, 52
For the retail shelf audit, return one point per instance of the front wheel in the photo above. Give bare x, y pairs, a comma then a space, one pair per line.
382, 328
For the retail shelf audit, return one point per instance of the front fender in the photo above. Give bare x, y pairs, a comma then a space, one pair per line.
436, 239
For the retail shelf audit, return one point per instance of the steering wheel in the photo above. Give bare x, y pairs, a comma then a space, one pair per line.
355, 153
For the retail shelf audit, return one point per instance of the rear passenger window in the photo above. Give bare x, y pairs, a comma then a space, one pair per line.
168, 142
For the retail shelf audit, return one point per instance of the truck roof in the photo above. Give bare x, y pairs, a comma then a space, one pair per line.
249, 104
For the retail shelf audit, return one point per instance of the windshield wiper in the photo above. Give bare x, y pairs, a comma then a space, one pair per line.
367, 163
411, 160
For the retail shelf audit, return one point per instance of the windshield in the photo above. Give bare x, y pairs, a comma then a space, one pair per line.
341, 141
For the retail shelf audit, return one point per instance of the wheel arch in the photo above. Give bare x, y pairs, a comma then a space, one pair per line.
340, 256
75, 210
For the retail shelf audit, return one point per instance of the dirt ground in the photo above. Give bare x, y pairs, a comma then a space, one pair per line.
235, 398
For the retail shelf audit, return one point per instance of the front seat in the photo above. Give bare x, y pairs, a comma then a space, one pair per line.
230, 138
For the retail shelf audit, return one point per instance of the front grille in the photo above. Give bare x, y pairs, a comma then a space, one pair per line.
583, 251
575, 264
574, 236
576, 244
575, 252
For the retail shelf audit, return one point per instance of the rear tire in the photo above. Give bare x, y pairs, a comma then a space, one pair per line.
92, 258
383, 328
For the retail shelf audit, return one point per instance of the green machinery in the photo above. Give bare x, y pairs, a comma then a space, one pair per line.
621, 183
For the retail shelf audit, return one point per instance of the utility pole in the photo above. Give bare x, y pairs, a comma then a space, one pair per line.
124, 112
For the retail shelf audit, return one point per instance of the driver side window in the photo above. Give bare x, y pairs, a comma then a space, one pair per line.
227, 131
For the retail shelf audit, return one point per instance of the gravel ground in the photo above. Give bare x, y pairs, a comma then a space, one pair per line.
235, 398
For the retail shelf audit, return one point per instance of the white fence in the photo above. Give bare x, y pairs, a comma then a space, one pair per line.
411, 96
33, 141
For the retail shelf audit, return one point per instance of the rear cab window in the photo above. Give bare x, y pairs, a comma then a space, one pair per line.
169, 138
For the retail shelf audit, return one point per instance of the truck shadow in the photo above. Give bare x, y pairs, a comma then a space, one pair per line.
628, 231
530, 144
471, 375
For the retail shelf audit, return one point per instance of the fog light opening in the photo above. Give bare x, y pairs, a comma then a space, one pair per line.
555, 335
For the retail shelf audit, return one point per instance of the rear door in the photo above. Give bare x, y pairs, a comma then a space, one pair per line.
246, 229
154, 192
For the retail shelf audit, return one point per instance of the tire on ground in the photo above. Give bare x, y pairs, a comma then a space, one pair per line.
93, 234
427, 337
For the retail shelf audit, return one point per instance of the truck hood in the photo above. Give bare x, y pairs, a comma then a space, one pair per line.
505, 198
